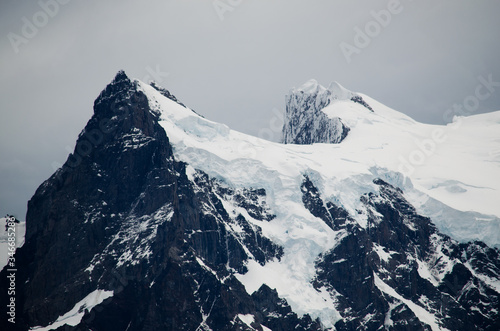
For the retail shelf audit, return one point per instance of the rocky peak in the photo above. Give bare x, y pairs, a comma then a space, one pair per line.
306, 123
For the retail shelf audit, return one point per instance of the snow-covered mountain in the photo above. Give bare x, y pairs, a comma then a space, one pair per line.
162, 219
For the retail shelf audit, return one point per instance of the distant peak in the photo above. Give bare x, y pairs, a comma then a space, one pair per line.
324, 96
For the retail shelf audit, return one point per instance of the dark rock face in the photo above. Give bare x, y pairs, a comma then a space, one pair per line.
123, 215
355, 269
306, 124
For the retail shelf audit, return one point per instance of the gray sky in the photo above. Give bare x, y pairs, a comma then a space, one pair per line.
231, 60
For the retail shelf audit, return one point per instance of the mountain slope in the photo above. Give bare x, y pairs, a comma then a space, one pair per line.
210, 229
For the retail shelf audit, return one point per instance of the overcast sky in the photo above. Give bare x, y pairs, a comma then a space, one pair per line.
233, 61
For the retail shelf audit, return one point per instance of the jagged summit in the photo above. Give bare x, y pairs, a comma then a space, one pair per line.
120, 75
120, 84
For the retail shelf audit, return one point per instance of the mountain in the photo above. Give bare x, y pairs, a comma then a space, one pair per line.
164, 220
